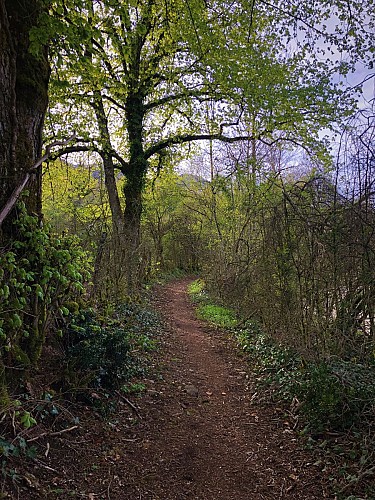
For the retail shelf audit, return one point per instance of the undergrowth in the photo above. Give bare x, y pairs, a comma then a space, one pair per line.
331, 402
215, 314
98, 359
108, 352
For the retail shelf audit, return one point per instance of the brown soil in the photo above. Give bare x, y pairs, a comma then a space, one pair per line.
200, 432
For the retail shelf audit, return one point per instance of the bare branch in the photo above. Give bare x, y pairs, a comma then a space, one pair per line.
201, 96
21, 186
181, 139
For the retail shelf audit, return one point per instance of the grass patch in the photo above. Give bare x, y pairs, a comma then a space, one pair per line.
197, 291
220, 316
217, 315
134, 388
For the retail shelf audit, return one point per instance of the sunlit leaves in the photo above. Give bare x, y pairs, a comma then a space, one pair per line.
74, 198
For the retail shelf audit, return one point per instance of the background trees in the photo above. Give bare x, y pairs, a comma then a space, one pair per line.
296, 251
146, 77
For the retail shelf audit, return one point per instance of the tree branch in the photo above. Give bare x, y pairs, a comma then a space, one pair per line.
71, 149
181, 139
113, 101
9, 205
176, 97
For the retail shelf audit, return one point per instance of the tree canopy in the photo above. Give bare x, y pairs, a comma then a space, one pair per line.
136, 80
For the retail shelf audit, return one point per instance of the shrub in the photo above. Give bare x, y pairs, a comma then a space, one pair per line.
337, 394
332, 395
40, 275
109, 355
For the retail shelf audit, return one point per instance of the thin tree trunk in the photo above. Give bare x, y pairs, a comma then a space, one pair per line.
109, 169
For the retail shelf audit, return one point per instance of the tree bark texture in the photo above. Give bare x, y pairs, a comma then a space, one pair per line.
135, 176
23, 102
133, 189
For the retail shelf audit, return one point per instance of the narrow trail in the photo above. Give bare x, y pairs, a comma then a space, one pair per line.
204, 435
198, 432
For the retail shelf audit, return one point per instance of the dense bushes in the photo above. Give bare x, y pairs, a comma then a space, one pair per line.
303, 265
41, 277
108, 354
333, 395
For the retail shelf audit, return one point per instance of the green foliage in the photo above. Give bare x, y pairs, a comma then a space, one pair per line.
333, 395
74, 200
197, 290
276, 366
216, 315
133, 388
109, 355
162, 203
27, 420
337, 394
20, 419
15, 448
39, 275
104, 353
172, 275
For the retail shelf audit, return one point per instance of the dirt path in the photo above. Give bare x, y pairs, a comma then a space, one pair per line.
204, 435
198, 432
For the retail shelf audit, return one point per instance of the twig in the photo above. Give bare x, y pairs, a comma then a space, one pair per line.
45, 466
356, 479
282, 489
14, 422
109, 485
57, 433
129, 403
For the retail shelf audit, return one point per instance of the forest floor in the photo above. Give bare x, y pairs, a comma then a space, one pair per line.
198, 431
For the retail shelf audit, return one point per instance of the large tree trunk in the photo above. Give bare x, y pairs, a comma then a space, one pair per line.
23, 103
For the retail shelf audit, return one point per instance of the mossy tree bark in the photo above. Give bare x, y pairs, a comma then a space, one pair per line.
23, 101
133, 189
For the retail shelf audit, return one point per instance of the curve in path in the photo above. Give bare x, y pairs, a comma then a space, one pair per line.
204, 435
